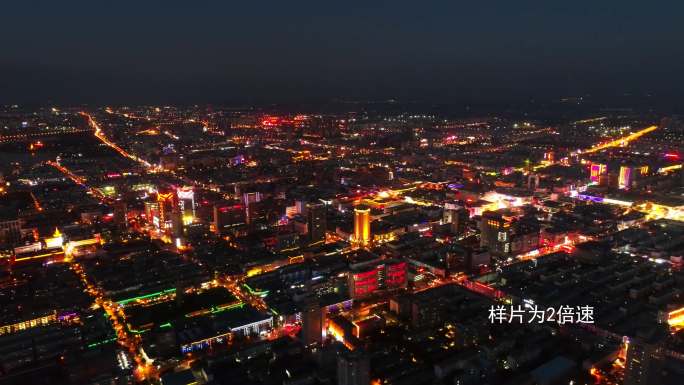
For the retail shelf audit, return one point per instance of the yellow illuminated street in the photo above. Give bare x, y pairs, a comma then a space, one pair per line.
103, 138
621, 141
143, 370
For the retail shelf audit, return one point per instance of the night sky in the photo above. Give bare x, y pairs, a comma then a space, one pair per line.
284, 51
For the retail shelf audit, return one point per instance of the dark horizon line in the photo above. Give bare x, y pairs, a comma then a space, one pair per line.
579, 99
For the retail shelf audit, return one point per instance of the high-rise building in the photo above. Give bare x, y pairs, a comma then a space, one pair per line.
597, 172
503, 234
257, 213
151, 209
186, 202
167, 204
533, 181
369, 277
10, 230
495, 232
151, 212
362, 231
227, 215
625, 177
316, 221
364, 280
251, 197
177, 224
456, 216
353, 368
312, 322
394, 275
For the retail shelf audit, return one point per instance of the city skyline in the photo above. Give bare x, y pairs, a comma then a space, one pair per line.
359, 193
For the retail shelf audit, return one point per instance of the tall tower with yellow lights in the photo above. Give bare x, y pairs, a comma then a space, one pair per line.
362, 231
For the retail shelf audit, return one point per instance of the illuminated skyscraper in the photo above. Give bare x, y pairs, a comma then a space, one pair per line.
495, 232
186, 201
152, 212
364, 280
367, 278
166, 205
362, 232
597, 170
625, 178
394, 274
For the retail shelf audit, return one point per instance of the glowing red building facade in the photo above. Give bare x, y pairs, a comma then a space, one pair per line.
376, 276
